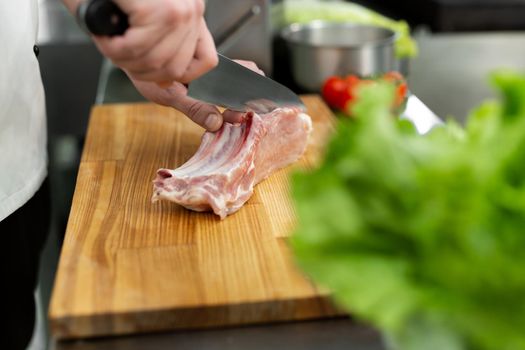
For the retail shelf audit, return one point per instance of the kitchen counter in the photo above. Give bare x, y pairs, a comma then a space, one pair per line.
326, 335
450, 76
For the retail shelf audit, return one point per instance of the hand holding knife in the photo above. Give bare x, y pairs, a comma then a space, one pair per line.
229, 85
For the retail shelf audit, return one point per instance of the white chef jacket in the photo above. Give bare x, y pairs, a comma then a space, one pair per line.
23, 160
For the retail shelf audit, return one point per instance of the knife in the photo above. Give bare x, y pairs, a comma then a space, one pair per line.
420, 115
229, 85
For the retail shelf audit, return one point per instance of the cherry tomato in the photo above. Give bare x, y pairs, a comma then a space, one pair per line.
401, 86
394, 77
401, 92
334, 90
352, 80
348, 100
340, 92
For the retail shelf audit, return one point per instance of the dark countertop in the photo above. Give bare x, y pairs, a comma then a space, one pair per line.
450, 76
326, 335
454, 15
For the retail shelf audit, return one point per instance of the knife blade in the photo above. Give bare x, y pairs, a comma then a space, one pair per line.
229, 84
420, 115
238, 88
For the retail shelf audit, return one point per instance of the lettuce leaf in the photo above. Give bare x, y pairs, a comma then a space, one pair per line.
423, 236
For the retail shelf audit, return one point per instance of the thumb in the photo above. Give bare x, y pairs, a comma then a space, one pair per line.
204, 114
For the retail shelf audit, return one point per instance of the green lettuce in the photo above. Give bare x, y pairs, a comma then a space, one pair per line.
303, 11
423, 236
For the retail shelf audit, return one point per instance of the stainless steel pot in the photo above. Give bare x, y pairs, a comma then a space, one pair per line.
320, 49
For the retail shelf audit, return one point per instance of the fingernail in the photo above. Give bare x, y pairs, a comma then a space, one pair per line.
213, 122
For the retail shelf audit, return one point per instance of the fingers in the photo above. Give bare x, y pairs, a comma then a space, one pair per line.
167, 41
169, 60
175, 95
205, 57
134, 44
204, 114
233, 116
178, 64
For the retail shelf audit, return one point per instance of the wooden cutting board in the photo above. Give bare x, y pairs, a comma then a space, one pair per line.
128, 265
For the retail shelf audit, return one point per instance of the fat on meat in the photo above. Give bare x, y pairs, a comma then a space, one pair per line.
222, 173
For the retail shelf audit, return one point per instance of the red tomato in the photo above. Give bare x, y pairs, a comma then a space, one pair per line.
348, 94
352, 80
401, 86
332, 91
348, 99
401, 92
339, 92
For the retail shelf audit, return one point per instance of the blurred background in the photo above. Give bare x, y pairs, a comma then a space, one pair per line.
459, 41
455, 15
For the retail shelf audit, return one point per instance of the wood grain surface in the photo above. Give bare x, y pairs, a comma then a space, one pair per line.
128, 265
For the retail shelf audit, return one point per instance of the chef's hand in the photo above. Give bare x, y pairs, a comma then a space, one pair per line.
167, 40
175, 95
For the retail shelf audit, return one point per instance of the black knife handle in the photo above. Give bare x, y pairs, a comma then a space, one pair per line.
102, 17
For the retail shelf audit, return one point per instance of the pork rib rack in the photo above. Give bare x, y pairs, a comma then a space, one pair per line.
230, 162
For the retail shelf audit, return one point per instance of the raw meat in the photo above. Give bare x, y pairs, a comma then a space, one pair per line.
230, 162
